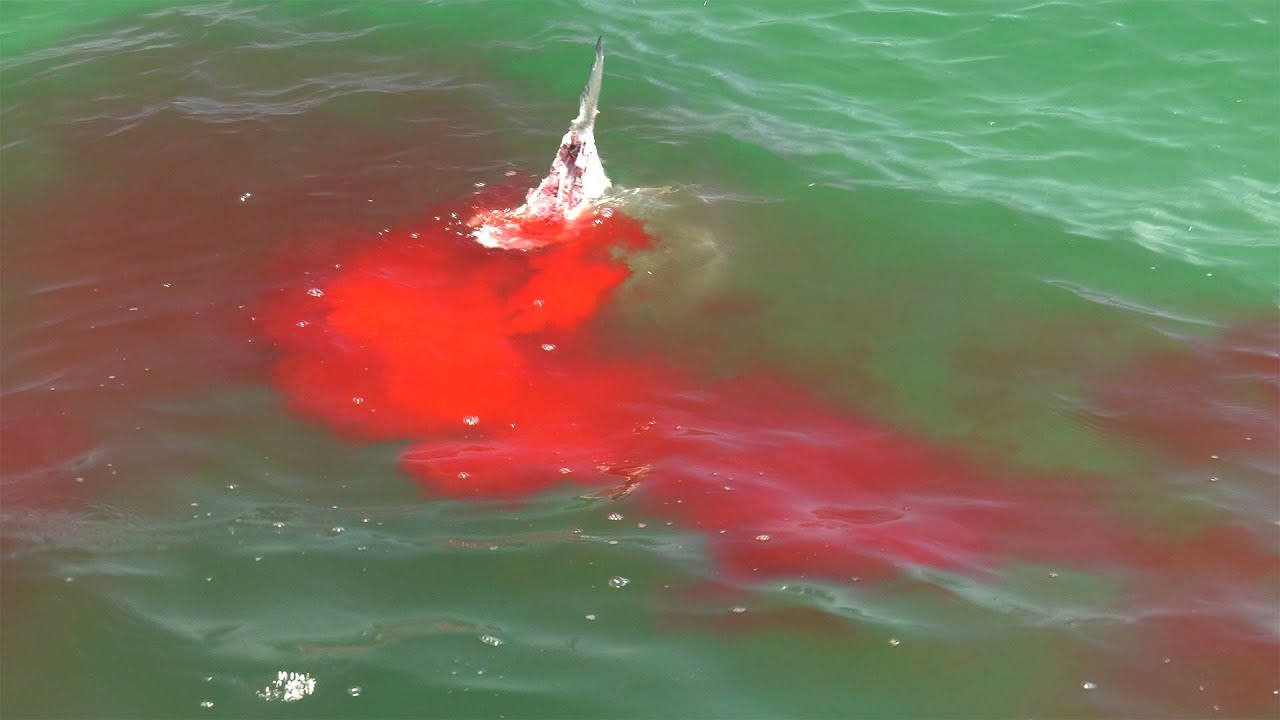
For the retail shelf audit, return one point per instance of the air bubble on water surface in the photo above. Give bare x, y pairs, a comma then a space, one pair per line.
762, 538
302, 323
354, 691
548, 346
206, 704
337, 530
590, 616
315, 292
1088, 685
738, 610
464, 475
607, 212
491, 640
894, 642
565, 471
357, 400
471, 420
618, 582
615, 516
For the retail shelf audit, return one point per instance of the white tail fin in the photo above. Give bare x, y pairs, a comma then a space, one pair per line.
590, 99
577, 176
576, 179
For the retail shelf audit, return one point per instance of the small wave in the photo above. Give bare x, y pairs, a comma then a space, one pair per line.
1116, 301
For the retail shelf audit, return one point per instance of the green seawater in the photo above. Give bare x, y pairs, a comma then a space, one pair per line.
959, 218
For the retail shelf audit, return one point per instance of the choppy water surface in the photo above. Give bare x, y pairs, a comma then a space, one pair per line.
958, 341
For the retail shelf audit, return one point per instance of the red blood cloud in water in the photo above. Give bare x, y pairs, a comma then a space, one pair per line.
420, 332
487, 355
486, 358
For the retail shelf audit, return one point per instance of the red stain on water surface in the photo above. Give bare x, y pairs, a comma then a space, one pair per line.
44, 453
487, 359
130, 301
430, 332
1206, 399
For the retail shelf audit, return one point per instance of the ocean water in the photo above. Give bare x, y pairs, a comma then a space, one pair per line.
1018, 257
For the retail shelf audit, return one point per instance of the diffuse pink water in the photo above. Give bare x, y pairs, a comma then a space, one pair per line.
130, 279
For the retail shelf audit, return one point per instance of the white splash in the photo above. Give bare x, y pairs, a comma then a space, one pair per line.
289, 687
